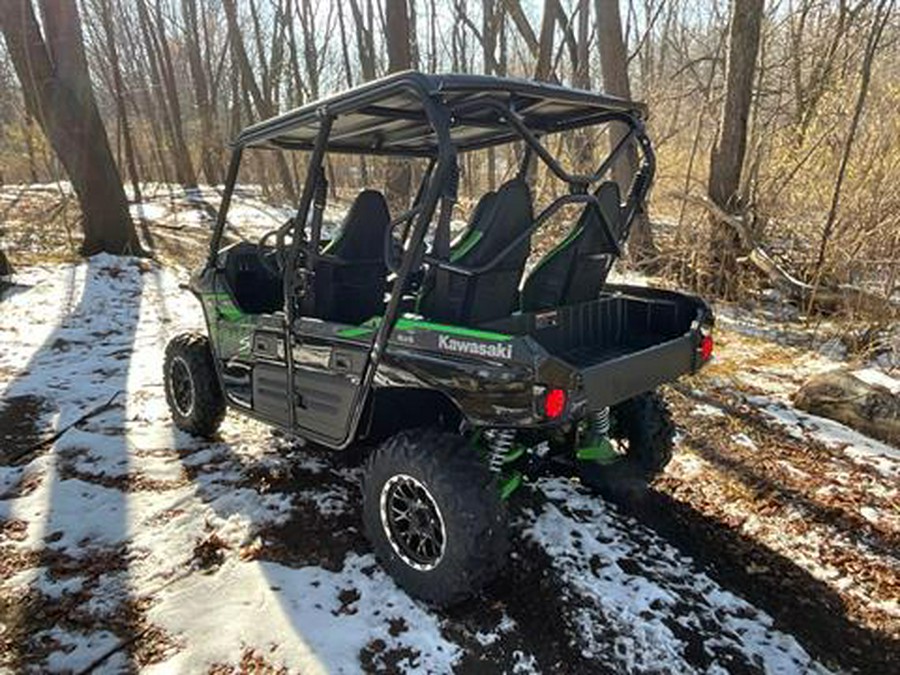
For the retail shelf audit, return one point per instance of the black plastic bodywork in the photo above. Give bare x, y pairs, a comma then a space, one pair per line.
627, 341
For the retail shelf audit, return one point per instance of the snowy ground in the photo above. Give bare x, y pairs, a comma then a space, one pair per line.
770, 545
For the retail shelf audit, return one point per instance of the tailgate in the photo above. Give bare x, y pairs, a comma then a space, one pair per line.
617, 379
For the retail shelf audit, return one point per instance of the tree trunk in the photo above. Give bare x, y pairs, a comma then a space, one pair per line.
310, 54
143, 105
184, 171
263, 106
29, 147
56, 85
614, 68
399, 58
517, 14
348, 74
731, 144
187, 177
414, 55
364, 42
209, 161
119, 95
582, 75
544, 67
489, 49
6, 269
433, 55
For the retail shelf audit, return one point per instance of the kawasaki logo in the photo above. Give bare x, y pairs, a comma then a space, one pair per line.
497, 351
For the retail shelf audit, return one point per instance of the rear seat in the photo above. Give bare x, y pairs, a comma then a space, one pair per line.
576, 269
497, 221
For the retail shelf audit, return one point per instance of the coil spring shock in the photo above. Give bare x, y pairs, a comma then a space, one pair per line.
499, 443
599, 423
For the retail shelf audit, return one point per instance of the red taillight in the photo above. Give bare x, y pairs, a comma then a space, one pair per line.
706, 347
554, 403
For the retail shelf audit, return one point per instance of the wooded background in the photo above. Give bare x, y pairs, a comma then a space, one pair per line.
775, 122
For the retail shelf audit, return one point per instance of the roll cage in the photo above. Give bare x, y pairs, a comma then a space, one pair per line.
437, 117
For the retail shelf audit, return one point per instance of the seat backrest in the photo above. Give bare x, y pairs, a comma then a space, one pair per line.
470, 235
576, 269
351, 275
361, 235
498, 220
256, 290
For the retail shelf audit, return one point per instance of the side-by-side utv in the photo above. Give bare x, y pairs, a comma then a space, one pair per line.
464, 374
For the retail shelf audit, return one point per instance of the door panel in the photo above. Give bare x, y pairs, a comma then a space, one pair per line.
326, 383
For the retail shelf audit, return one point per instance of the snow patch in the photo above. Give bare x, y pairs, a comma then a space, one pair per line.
629, 579
300, 614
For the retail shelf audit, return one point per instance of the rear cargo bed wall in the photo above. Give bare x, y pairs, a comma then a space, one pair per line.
611, 324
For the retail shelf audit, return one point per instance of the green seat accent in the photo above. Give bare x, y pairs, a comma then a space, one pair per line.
466, 245
471, 299
575, 270
559, 248
331, 245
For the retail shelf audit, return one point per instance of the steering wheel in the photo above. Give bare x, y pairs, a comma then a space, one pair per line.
278, 255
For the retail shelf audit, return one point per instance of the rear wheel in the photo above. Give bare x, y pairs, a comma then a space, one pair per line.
192, 387
645, 424
643, 433
434, 516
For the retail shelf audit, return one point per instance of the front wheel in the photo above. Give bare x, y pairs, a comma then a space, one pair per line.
433, 513
192, 387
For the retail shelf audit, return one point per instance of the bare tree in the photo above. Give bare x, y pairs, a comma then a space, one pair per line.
582, 74
365, 43
53, 71
162, 80
489, 49
543, 70
263, 105
209, 159
399, 58
614, 66
879, 20
728, 152
520, 19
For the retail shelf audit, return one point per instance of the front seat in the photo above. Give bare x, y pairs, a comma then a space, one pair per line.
351, 273
576, 269
497, 221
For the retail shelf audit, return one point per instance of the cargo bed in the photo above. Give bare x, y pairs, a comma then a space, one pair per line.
628, 341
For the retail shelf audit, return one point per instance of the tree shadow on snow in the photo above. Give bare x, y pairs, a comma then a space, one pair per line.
800, 604
72, 493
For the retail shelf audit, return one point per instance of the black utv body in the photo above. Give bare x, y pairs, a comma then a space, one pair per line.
465, 377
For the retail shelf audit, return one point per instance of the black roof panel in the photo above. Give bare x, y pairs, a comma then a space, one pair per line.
390, 115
